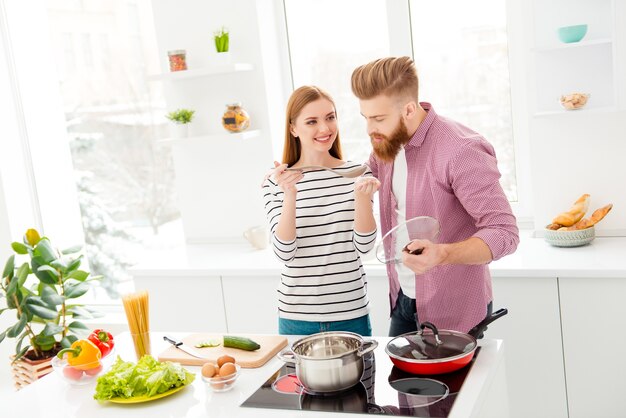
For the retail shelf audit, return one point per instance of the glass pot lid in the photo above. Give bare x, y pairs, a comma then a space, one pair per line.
422, 346
389, 249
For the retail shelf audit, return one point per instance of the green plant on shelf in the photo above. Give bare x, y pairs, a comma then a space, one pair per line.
221, 40
181, 116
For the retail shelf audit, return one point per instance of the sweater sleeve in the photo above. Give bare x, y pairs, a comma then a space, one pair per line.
475, 180
364, 241
273, 200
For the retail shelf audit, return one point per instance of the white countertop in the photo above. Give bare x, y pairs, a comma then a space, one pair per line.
604, 257
53, 397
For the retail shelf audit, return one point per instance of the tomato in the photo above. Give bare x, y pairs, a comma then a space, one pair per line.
72, 373
94, 371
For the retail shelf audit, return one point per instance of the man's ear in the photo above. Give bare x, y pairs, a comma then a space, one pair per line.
410, 110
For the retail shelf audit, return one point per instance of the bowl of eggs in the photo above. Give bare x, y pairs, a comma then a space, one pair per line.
222, 376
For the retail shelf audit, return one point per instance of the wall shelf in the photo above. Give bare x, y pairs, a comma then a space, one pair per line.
603, 109
239, 136
582, 44
203, 72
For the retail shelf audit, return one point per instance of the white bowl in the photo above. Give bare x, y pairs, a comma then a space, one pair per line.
570, 238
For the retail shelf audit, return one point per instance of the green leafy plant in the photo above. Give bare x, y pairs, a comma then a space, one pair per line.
40, 291
181, 116
221, 40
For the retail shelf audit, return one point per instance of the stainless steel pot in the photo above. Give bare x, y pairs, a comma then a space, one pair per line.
328, 361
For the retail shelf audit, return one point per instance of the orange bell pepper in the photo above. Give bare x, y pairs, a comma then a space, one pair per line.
82, 355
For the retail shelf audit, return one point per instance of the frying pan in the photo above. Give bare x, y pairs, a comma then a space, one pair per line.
432, 351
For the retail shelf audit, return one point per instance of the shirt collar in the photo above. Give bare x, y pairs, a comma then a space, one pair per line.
420, 134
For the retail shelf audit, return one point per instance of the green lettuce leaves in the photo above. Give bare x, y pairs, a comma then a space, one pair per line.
148, 377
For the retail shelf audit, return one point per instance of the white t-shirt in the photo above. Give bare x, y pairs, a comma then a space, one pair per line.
398, 187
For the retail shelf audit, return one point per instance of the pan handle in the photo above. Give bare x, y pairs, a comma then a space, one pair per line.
478, 330
372, 345
287, 356
433, 328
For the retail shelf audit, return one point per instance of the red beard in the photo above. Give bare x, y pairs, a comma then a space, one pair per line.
388, 148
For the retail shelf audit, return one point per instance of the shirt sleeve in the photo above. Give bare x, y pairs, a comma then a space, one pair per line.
365, 241
273, 199
475, 179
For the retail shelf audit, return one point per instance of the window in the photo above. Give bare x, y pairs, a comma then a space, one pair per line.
327, 41
461, 57
463, 66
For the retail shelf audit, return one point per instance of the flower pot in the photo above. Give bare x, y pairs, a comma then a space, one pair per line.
25, 371
179, 130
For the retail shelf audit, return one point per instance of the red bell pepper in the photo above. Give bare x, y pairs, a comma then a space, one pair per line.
103, 340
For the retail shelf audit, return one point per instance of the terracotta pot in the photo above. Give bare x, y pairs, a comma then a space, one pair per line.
26, 371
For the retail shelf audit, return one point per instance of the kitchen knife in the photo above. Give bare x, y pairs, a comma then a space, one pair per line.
181, 346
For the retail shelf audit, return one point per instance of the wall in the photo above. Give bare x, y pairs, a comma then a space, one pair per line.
219, 177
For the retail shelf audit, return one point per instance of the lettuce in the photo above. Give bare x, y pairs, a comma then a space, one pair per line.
148, 377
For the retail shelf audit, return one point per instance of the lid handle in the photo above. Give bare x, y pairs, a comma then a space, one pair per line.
431, 327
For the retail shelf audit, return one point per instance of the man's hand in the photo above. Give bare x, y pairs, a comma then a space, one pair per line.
432, 255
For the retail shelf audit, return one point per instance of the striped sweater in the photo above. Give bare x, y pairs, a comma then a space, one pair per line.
323, 278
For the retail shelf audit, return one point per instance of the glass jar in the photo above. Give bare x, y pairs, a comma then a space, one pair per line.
235, 119
177, 59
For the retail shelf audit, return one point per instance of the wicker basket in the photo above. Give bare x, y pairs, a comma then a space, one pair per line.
26, 371
570, 238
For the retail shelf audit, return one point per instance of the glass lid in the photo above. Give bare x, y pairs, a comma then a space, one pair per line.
389, 249
414, 346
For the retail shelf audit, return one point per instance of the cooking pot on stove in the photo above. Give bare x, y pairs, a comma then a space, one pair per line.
436, 351
328, 362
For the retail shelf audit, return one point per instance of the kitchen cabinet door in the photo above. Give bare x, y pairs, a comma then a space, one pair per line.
532, 345
251, 304
594, 318
184, 304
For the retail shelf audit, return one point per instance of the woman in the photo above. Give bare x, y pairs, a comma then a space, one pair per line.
320, 222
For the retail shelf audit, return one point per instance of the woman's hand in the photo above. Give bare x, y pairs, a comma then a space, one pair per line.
286, 180
365, 187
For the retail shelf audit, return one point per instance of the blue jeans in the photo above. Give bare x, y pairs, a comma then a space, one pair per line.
359, 326
404, 316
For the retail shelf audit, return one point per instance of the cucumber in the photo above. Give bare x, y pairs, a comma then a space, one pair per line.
241, 343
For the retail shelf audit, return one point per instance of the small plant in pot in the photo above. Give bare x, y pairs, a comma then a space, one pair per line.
40, 293
181, 118
221, 38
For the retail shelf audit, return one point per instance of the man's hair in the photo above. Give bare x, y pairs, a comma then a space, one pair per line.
392, 77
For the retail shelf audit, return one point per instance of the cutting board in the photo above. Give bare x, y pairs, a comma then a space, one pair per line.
270, 346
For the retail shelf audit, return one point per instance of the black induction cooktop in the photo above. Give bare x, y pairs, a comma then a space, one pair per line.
384, 389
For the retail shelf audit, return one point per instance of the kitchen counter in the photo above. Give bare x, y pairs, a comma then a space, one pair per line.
52, 397
533, 258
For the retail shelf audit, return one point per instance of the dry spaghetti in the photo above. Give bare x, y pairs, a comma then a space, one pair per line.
138, 316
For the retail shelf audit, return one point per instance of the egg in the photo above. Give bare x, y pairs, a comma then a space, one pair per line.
225, 359
227, 369
209, 370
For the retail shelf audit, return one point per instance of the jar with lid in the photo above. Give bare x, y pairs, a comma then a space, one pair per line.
235, 119
178, 61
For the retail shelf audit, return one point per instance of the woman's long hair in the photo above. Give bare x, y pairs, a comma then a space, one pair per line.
300, 98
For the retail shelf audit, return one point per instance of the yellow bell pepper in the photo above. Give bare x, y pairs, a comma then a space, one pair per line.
82, 355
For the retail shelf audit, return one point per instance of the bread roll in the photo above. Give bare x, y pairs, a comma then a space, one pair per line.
595, 217
575, 214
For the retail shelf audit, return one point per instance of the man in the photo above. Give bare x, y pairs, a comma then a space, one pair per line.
430, 165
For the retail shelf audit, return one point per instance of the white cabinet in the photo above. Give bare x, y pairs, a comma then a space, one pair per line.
251, 304
378, 295
594, 319
532, 335
184, 304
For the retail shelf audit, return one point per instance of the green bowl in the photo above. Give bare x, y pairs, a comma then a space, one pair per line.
570, 34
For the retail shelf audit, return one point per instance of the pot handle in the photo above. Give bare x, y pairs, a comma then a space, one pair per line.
372, 344
433, 328
287, 356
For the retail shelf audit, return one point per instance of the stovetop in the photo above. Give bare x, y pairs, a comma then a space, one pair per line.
384, 389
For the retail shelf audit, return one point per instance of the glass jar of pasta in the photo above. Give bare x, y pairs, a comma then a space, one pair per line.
235, 119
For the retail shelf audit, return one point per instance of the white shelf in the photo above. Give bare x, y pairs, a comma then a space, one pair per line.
581, 44
603, 109
239, 136
203, 72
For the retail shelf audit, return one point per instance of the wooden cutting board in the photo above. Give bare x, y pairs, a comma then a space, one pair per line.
270, 346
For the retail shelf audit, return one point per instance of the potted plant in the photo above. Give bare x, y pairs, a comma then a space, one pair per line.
181, 118
221, 38
40, 293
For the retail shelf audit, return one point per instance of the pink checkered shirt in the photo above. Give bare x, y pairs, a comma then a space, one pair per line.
453, 177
